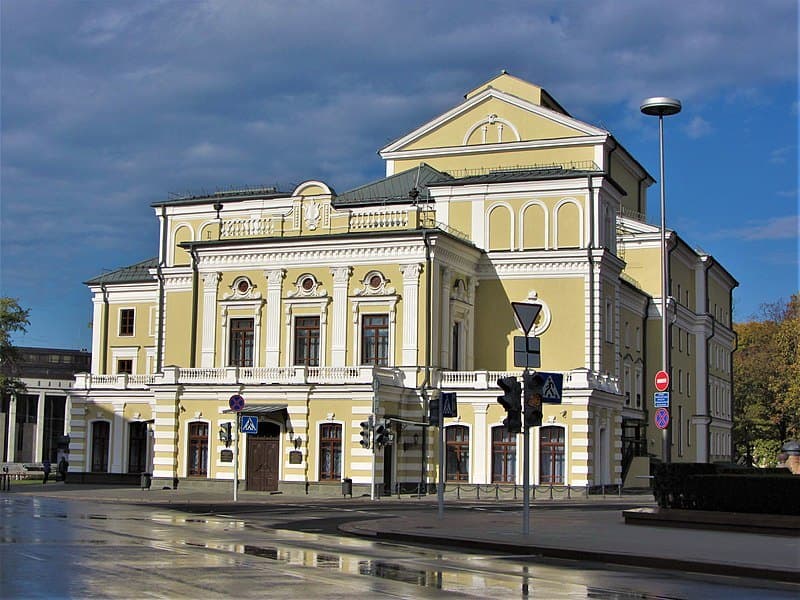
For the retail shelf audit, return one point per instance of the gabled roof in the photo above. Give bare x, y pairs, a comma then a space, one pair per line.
393, 189
137, 273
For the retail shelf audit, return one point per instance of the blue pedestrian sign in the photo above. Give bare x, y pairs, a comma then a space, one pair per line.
661, 399
249, 424
553, 386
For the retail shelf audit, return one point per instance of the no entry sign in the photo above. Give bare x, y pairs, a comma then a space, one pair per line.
662, 381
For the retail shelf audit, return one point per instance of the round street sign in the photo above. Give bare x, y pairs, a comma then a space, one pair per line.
236, 403
661, 418
662, 381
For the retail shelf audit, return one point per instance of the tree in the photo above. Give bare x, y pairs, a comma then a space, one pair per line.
767, 381
13, 318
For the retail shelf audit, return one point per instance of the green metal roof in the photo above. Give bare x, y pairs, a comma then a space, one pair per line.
524, 174
393, 189
137, 273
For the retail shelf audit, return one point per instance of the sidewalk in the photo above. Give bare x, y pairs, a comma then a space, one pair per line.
566, 530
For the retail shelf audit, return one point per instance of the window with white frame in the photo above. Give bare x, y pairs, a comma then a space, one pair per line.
126, 321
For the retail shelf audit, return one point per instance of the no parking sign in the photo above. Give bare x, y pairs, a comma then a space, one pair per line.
661, 418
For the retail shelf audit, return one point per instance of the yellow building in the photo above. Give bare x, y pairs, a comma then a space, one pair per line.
323, 310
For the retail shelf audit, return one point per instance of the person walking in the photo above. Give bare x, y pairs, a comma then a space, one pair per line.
46, 469
63, 467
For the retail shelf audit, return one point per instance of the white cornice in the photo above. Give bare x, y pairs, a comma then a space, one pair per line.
496, 267
489, 148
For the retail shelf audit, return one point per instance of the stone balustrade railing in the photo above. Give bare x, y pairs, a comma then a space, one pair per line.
301, 375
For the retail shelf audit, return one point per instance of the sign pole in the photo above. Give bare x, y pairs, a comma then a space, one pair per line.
236, 461
440, 483
526, 469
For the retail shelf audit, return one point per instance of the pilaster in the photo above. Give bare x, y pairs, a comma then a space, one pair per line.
210, 284
274, 322
341, 282
411, 327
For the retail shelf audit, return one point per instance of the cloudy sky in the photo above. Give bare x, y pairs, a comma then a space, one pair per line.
110, 106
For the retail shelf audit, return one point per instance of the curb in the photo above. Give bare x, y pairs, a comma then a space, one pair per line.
652, 562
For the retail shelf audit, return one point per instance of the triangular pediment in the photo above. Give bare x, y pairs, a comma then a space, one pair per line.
493, 116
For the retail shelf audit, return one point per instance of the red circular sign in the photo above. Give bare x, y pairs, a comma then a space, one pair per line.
662, 381
661, 417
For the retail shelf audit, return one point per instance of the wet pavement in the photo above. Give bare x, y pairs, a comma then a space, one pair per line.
75, 541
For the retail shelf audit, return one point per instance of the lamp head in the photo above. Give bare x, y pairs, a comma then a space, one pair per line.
661, 106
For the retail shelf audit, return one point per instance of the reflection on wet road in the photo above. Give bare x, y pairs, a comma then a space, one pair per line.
52, 548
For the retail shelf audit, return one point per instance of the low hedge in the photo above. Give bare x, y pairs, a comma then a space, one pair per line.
701, 486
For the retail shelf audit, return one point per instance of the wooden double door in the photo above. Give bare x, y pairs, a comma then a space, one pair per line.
263, 458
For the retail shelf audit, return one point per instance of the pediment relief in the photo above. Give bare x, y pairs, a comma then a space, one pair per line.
375, 284
242, 288
492, 117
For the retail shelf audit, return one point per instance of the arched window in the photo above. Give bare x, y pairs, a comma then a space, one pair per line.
197, 455
100, 444
457, 461
551, 455
504, 455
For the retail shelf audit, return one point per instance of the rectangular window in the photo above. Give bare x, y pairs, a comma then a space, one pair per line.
126, 318
100, 439
609, 322
680, 431
198, 450
137, 447
241, 349
375, 340
125, 366
551, 455
504, 455
457, 459
330, 452
306, 341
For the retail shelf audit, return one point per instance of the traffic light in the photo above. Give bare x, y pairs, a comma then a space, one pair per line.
433, 412
365, 434
511, 400
383, 436
534, 386
225, 434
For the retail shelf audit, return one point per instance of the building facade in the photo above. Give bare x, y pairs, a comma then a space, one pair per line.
322, 310
34, 424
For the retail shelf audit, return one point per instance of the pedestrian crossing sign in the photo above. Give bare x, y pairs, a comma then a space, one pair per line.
249, 424
552, 388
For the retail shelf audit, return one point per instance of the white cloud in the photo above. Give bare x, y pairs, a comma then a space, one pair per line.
776, 228
698, 127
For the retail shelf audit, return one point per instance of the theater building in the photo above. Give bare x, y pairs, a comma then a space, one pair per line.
321, 309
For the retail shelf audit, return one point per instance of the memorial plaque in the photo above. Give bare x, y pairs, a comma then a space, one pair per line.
295, 457
226, 455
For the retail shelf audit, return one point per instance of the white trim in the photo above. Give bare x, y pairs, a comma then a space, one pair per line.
491, 120
490, 209
88, 457
546, 223
318, 433
183, 470
556, 208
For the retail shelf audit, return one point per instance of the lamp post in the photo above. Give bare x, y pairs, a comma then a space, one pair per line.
663, 107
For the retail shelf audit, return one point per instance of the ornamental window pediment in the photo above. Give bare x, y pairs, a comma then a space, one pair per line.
242, 288
307, 286
374, 283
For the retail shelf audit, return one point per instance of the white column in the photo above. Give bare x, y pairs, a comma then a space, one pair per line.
482, 446
39, 441
274, 321
469, 365
97, 332
410, 313
118, 435
11, 446
444, 313
341, 281
210, 283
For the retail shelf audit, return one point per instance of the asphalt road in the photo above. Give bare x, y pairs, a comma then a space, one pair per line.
56, 548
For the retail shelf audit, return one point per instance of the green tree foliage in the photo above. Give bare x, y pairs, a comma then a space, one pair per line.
766, 381
13, 318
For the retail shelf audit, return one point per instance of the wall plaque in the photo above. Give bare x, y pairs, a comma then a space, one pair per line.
295, 457
226, 456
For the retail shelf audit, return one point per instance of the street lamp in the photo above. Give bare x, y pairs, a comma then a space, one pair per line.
663, 107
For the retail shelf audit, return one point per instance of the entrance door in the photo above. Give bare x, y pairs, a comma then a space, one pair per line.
263, 456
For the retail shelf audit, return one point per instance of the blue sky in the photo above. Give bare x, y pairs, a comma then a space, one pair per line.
110, 106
